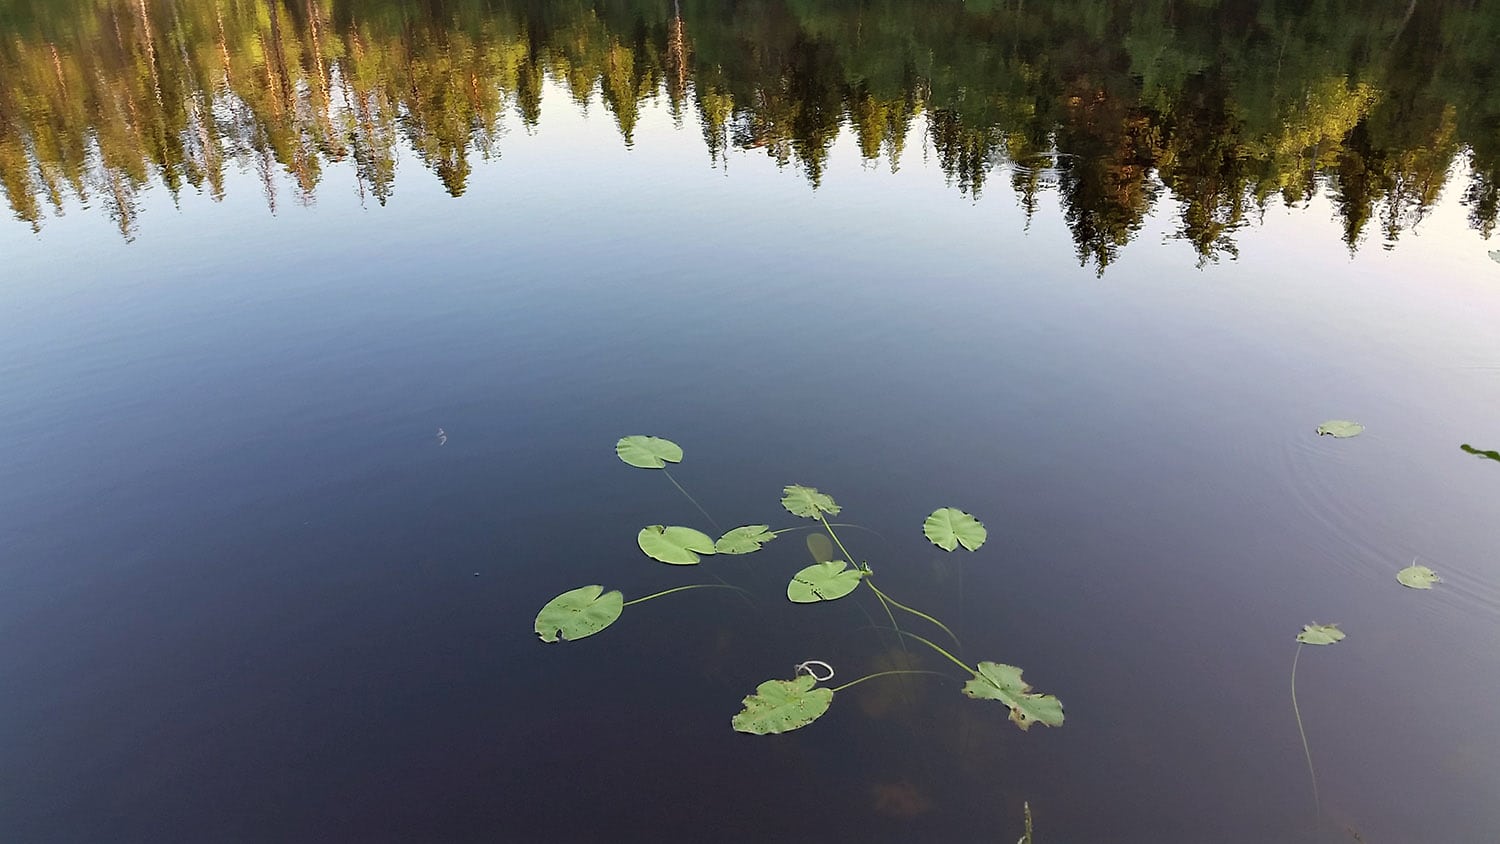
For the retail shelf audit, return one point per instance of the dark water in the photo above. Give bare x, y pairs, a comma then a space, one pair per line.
1091, 271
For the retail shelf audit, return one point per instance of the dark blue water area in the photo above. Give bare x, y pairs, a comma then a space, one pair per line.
248, 595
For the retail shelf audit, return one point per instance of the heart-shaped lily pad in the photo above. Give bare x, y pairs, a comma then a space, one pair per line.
743, 540
949, 528
675, 545
997, 681
578, 613
823, 582
1418, 577
780, 706
1320, 634
1341, 428
648, 452
807, 502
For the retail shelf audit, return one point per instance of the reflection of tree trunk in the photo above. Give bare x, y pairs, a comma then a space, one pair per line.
1410, 9
283, 92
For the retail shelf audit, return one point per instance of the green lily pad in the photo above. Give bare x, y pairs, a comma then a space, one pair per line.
648, 452
949, 528
578, 613
1340, 428
675, 545
806, 501
1418, 577
743, 540
997, 681
1320, 634
780, 706
820, 547
823, 582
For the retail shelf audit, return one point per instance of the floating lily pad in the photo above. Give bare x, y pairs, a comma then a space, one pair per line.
1340, 428
823, 582
780, 706
807, 502
1320, 634
578, 613
648, 452
949, 528
820, 547
1495, 255
744, 540
997, 681
1488, 455
1418, 577
675, 545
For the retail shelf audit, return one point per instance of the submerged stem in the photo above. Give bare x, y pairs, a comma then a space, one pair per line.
1312, 773
883, 674
683, 589
850, 557
917, 613
692, 499
956, 661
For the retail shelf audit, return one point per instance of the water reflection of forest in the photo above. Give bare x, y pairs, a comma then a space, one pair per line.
1224, 107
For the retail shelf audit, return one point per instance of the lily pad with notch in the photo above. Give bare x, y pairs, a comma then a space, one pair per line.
780, 706
950, 527
1418, 577
1320, 634
807, 502
578, 613
679, 546
645, 452
823, 582
744, 540
1340, 428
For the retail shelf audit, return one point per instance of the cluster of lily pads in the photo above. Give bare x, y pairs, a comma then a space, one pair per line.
779, 706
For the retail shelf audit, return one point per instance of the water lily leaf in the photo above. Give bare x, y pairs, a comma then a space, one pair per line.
997, 681
780, 706
648, 452
674, 544
823, 582
1320, 634
743, 540
1340, 428
808, 502
1418, 577
948, 528
820, 547
1491, 455
578, 613
1495, 255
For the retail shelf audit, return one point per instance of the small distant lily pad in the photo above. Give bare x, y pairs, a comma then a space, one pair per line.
949, 528
578, 613
675, 545
780, 706
807, 502
645, 452
1418, 577
1320, 634
997, 681
1341, 428
823, 582
1495, 255
744, 540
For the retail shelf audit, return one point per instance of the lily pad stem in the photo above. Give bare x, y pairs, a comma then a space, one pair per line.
1314, 774
917, 613
692, 499
955, 660
683, 589
850, 557
883, 674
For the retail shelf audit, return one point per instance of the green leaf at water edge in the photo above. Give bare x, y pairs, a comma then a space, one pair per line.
1320, 634
949, 528
807, 502
780, 706
1341, 428
648, 452
675, 545
997, 681
1418, 577
743, 540
578, 613
823, 582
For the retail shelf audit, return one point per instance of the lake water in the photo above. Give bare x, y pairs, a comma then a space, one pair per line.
319, 321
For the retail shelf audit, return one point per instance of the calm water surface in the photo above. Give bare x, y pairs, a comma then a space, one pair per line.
1092, 271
